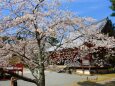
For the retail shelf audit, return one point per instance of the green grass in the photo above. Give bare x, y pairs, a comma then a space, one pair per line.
104, 77
101, 78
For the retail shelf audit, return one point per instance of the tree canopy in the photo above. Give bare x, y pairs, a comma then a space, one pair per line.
42, 25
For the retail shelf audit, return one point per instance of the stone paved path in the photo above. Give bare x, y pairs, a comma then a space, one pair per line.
52, 79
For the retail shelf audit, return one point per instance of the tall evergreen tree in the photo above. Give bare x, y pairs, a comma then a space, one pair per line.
109, 28
113, 7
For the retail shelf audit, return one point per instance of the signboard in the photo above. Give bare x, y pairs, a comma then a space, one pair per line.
86, 62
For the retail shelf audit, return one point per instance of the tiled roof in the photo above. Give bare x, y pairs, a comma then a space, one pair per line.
77, 38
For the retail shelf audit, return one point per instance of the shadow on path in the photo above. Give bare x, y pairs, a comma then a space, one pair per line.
89, 83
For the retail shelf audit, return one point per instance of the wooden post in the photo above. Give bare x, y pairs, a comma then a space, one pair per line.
13, 81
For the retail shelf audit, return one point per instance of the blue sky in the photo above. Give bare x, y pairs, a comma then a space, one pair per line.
97, 9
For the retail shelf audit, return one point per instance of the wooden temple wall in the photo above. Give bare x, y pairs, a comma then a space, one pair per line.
68, 56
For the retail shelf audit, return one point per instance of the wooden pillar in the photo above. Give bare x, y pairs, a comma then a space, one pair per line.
13, 81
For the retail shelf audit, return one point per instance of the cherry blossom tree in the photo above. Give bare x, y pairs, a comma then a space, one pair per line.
100, 45
88, 41
33, 26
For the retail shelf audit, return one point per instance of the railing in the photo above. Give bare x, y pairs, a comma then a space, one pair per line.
17, 68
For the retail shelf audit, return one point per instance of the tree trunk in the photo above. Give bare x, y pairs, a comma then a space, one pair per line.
41, 68
42, 75
41, 58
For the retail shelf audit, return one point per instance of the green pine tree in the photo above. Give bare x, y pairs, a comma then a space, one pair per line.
112, 7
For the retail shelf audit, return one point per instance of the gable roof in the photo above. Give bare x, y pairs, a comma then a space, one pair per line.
85, 34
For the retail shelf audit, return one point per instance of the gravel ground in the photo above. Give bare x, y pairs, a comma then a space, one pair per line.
52, 79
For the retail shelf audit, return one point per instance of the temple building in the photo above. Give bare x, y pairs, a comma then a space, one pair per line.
86, 50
